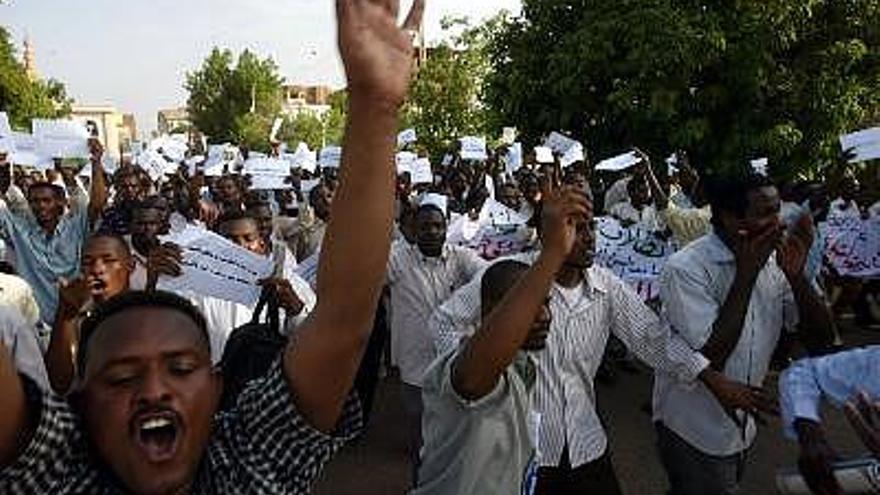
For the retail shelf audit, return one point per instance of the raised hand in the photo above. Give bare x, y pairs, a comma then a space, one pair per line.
562, 209
377, 54
73, 295
792, 253
163, 260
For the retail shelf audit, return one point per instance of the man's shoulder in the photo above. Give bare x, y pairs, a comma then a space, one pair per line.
692, 256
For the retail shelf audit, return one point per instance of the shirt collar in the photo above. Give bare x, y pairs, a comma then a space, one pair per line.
718, 250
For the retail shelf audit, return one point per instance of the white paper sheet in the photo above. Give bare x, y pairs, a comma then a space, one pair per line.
560, 143
543, 154
866, 137
760, 166
508, 135
213, 266
574, 154
7, 143
331, 157
421, 172
619, 162
406, 137
61, 138
513, 160
276, 127
473, 148
438, 200
404, 161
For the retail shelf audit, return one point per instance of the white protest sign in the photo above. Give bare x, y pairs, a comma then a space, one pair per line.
446, 161
867, 137
406, 137
574, 154
559, 143
404, 161
671, 163
508, 135
619, 162
759, 166
213, 266
330, 157
543, 154
635, 254
495, 213
473, 148
853, 245
420, 172
215, 170
270, 183
513, 159
266, 166
276, 127
155, 165
26, 150
61, 138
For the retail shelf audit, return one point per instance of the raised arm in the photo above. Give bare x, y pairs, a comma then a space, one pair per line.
490, 351
98, 188
323, 358
14, 420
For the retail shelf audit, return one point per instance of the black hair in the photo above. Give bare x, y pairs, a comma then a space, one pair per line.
728, 192
154, 202
429, 207
313, 194
254, 203
108, 235
233, 216
55, 188
497, 280
130, 300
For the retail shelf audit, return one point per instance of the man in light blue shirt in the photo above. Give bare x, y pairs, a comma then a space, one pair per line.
47, 240
851, 378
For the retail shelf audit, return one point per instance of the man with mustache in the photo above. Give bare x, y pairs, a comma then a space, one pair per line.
144, 419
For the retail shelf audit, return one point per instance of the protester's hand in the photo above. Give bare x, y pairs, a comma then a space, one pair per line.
377, 54
287, 297
73, 295
163, 260
96, 150
816, 459
863, 414
753, 249
735, 396
792, 253
208, 212
562, 209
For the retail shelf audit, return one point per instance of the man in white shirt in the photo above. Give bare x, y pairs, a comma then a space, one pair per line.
588, 303
420, 277
296, 297
727, 297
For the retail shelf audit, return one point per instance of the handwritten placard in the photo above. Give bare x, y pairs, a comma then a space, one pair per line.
473, 148
215, 267
330, 157
635, 254
619, 162
853, 245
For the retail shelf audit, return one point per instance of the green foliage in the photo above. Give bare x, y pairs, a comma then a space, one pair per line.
725, 81
235, 103
446, 99
23, 99
316, 131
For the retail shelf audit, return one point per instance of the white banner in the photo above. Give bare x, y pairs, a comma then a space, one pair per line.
635, 254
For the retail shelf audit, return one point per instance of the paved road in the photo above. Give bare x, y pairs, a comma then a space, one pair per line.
377, 463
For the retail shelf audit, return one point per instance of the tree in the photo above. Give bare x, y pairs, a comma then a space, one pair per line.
24, 99
446, 99
235, 103
727, 82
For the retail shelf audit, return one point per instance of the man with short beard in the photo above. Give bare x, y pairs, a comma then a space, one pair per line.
144, 419
47, 239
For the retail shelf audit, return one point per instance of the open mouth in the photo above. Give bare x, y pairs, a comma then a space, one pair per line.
157, 435
97, 286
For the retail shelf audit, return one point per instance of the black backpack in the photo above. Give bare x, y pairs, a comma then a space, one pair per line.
251, 349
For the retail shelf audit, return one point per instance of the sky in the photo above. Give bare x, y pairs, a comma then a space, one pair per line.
135, 54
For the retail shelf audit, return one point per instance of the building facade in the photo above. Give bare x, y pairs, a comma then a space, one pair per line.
115, 129
173, 119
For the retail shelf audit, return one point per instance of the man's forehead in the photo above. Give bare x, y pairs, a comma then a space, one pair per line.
142, 332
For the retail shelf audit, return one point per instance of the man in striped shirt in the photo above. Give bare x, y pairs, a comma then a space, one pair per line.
588, 304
